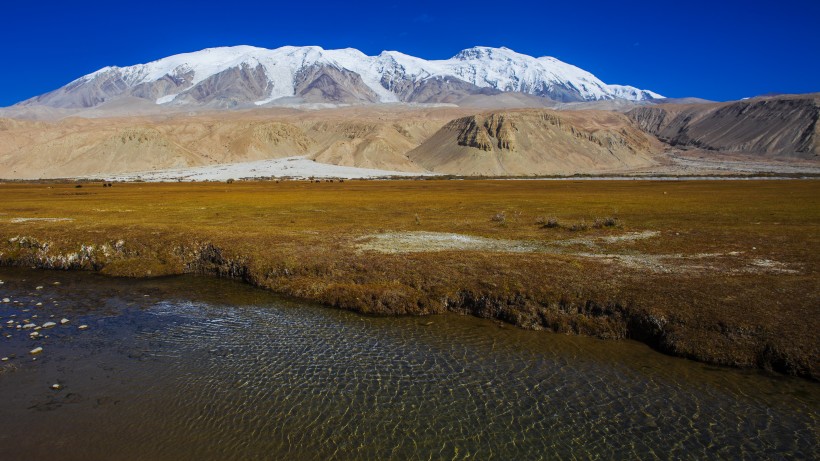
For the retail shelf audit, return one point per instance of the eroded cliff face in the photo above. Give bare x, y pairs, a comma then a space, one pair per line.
523, 142
781, 126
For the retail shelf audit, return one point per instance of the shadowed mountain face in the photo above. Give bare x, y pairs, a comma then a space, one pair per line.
782, 126
321, 83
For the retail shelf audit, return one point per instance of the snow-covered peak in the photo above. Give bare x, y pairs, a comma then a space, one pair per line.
384, 75
486, 52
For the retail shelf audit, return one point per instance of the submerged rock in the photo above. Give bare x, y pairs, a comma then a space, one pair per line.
36, 351
29, 325
82, 327
49, 324
64, 321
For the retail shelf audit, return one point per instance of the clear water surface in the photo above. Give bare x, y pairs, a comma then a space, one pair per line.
199, 368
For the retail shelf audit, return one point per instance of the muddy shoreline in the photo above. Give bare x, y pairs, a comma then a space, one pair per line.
592, 316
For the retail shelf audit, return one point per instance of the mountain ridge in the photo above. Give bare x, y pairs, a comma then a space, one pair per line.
246, 76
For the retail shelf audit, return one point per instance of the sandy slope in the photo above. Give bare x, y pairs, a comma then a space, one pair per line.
419, 139
385, 137
71, 147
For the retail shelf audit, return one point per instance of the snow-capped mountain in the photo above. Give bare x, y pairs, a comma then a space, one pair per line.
242, 76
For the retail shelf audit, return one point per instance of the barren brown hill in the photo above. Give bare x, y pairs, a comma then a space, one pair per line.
782, 126
76, 147
527, 142
387, 138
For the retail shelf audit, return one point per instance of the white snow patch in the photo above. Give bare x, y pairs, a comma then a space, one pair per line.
167, 99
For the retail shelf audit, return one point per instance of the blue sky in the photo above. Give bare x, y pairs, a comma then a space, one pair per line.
718, 50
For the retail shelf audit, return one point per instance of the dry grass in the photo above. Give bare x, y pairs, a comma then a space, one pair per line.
299, 239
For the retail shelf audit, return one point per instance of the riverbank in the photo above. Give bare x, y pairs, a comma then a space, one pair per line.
721, 272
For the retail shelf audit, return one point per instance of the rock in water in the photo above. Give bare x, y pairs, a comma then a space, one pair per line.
49, 324
36, 350
64, 321
83, 327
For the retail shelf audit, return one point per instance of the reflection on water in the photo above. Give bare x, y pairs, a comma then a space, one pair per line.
196, 368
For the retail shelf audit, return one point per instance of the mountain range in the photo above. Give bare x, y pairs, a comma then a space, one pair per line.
485, 111
246, 76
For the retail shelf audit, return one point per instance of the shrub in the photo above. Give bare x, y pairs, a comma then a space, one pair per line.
610, 221
549, 223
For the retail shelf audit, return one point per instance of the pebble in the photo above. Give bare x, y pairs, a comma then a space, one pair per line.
6, 300
56, 283
64, 321
39, 287
9, 322
56, 387
29, 325
34, 334
39, 304
4, 359
36, 350
49, 324
82, 327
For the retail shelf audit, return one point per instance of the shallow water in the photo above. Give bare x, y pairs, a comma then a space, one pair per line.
198, 368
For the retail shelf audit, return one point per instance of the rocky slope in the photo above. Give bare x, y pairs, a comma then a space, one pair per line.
245, 76
541, 142
784, 126
442, 140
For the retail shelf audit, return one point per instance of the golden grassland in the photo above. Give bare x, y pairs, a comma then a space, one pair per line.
724, 272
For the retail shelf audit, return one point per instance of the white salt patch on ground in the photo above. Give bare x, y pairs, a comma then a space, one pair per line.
21, 220
422, 241
289, 167
412, 242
